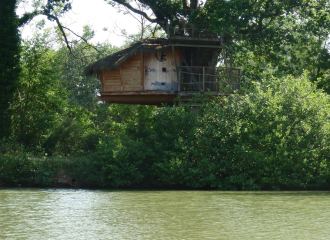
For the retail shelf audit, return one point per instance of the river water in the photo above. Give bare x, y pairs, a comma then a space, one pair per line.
102, 214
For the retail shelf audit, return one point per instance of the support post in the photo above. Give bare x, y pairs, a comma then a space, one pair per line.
225, 58
176, 64
179, 78
231, 68
204, 79
239, 79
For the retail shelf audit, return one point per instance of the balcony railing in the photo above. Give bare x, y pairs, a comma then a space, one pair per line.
220, 79
192, 31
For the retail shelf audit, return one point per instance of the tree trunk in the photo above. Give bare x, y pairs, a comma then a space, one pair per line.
9, 62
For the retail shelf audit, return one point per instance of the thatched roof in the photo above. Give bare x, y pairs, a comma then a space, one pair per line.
113, 61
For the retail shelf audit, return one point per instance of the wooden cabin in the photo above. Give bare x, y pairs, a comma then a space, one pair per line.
155, 71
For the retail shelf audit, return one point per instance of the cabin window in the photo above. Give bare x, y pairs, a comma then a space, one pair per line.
164, 69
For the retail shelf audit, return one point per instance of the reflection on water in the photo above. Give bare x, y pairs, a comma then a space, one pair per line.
98, 214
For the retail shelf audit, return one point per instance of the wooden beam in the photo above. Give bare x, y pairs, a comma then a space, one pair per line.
196, 45
176, 64
142, 71
201, 39
139, 99
154, 92
225, 58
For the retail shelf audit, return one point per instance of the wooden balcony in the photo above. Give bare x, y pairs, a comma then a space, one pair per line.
191, 80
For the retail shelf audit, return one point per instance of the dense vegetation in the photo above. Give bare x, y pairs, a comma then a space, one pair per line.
273, 134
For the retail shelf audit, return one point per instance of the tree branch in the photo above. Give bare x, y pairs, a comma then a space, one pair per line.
82, 38
29, 16
61, 29
133, 16
130, 7
261, 27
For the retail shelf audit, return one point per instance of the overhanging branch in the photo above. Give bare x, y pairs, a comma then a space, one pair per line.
61, 29
130, 7
29, 16
82, 38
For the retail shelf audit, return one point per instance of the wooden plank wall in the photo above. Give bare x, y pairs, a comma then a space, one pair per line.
111, 81
126, 78
143, 72
130, 74
154, 76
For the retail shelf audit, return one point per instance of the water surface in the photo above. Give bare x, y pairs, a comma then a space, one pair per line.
101, 214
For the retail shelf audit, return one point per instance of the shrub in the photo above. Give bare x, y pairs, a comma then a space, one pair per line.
272, 138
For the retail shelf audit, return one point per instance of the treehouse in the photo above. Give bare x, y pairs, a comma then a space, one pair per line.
156, 70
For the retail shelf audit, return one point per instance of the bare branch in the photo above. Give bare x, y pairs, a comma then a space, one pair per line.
154, 30
62, 31
130, 7
29, 16
82, 38
133, 15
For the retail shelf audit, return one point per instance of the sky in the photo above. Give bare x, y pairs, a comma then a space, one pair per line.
95, 13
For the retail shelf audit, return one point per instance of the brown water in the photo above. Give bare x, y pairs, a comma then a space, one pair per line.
98, 214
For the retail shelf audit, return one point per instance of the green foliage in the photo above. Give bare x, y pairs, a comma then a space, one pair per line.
38, 99
14, 169
290, 44
120, 161
74, 135
55, 107
20, 169
81, 90
275, 137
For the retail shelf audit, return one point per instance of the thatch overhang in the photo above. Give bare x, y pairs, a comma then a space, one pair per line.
112, 62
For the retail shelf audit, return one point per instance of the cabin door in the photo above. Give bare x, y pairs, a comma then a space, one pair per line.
160, 71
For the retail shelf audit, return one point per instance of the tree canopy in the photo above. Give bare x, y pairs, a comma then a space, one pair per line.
230, 18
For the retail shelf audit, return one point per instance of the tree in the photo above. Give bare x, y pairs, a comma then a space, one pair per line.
286, 35
294, 42
82, 89
39, 98
9, 59
146, 28
229, 18
10, 51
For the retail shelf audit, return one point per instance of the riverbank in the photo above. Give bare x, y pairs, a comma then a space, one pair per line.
87, 172
24, 170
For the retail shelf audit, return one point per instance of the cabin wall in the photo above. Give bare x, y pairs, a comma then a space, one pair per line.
130, 72
126, 78
111, 81
160, 71
145, 71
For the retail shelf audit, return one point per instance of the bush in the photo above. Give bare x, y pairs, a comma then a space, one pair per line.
18, 167
272, 138
14, 169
